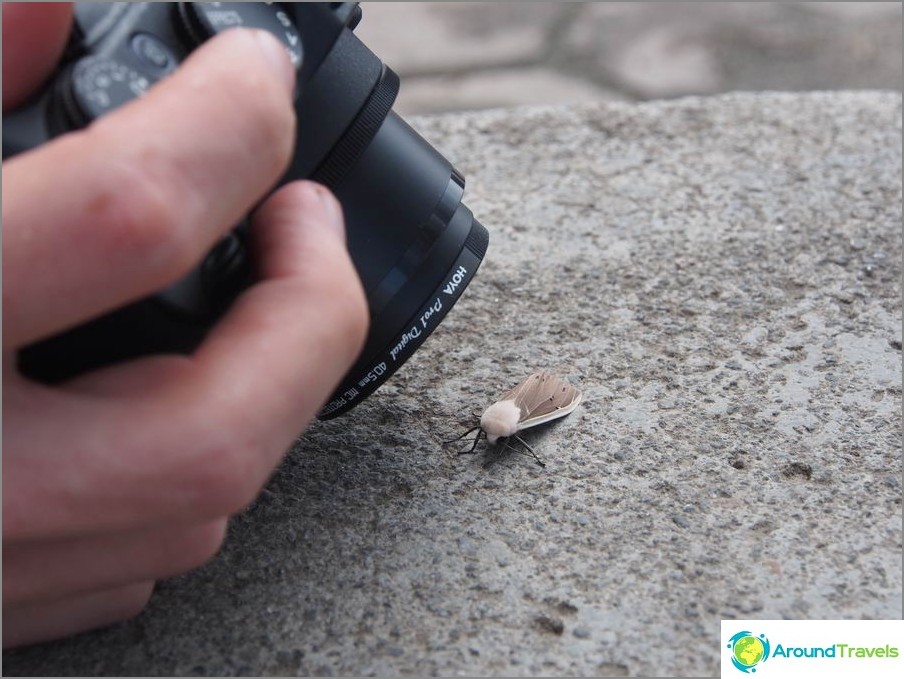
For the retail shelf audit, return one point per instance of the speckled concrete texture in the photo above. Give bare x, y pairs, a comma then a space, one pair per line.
721, 276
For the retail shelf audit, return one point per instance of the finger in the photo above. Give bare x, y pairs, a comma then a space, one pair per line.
34, 36
291, 338
46, 571
279, 253
53, 620
103, 216
201, 446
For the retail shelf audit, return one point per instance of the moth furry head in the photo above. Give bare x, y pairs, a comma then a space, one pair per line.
500, 420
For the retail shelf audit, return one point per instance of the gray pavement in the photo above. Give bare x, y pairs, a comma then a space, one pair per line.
456, 56
721, 276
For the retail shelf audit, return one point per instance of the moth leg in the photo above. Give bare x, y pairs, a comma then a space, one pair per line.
531, 450
476, 441
459, 438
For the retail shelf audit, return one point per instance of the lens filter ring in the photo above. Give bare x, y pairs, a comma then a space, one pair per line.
366, 376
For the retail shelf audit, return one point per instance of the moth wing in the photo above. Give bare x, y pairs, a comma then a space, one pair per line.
543, 397
559, 411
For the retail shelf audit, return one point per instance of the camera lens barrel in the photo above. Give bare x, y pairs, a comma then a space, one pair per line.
417, 265
415, 245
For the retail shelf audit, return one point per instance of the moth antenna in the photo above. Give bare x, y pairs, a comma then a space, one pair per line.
495, 454
531, 450
505, 445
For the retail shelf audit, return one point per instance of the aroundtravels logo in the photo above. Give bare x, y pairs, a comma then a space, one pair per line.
747, 651
795, 648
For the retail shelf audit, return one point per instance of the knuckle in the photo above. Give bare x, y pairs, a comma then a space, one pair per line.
147, 221
203, 545
226, 478
133, 600
268, 123
135, 206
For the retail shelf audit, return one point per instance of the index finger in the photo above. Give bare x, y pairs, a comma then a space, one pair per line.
104, 216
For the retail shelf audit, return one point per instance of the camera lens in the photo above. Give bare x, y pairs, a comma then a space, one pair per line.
415, 245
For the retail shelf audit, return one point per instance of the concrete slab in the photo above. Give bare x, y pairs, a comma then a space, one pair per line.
721, 276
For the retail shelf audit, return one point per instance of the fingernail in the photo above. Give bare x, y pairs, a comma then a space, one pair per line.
332, 208
278, 56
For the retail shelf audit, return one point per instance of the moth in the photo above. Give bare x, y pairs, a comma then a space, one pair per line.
540, 398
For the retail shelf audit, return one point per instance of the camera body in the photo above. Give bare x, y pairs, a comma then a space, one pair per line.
414, 244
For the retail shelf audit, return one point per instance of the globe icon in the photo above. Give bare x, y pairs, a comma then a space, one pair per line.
748, 651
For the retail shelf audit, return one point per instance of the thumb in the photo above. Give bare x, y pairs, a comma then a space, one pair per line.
289, 339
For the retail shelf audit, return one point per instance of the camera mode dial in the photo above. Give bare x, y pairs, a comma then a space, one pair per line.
96, 85
203, 20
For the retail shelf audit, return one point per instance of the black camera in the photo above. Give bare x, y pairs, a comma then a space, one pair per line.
414, 244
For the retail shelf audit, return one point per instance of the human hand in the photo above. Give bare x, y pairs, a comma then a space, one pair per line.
128, 474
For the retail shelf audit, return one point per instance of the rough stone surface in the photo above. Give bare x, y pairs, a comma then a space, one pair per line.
721, 278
